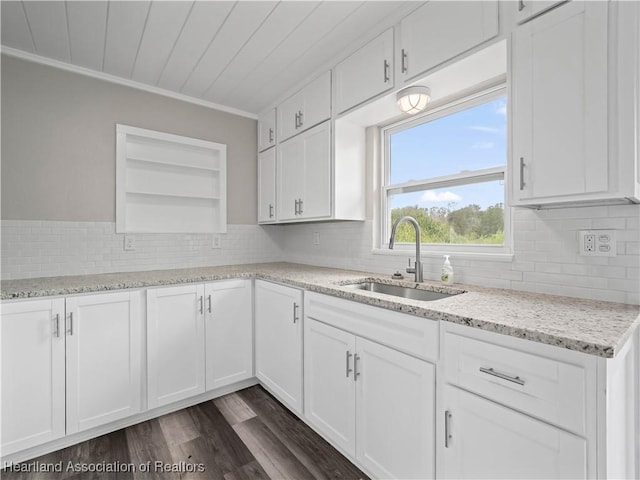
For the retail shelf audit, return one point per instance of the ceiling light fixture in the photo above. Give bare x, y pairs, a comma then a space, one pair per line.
413, 99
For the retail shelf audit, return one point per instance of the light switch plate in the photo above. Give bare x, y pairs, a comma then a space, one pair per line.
216, 241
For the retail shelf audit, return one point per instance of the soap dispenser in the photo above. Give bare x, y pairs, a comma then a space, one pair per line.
447, 272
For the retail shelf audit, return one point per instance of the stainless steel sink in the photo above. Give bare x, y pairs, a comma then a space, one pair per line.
399, 291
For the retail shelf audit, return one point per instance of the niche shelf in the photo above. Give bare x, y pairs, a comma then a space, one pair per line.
168, 183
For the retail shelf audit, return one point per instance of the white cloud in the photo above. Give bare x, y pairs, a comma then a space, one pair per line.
483, 146
502, 109
482, 128
431, 196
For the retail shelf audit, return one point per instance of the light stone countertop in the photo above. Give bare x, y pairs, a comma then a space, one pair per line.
593, 327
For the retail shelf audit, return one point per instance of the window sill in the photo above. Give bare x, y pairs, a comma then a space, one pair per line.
494, 256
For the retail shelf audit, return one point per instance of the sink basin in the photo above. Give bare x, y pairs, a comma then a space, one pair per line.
398, 291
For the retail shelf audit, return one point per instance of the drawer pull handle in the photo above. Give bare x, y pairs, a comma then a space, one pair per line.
356, 373
349, 370
491, 371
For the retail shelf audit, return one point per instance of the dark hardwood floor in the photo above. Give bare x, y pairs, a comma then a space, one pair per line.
242, 436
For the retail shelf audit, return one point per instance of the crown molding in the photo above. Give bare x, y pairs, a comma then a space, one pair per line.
30, 57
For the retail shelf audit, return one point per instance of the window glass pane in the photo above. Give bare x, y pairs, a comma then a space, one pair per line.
470, 139
464, 214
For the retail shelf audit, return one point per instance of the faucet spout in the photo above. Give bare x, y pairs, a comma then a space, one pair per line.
417, 270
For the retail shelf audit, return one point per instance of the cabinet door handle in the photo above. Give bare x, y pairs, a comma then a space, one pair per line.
447, 428
201, 304
57, 331
386, 71
295, 312
349, 370
300, 206
70, 323
520, 5
270, 210
491, 371
209, 300
522, 184
296, 121
271, 135
300, 117
403, 63
356, 373
295, 212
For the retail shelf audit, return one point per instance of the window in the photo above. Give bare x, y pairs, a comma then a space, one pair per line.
447, 170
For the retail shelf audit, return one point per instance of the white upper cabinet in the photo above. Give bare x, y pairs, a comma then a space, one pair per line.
267, 186
572, 120
305, 109
441, 30
266, 129
365, 74
304, 175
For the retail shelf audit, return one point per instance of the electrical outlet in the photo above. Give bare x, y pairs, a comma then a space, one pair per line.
216, 241
597, 243
316, 238
129, 242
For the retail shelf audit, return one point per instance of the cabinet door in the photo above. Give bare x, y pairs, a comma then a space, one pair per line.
267, 186
104, 356
559, 102
366, 73
487, 440
304, 175
33, 350
307, 108
441, 30
395, 403
229, 331
278, 326
329, 387
266, 129
175, 343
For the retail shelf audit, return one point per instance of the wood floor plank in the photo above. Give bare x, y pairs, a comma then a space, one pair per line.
274, 457
147, 444
251, 471
230, 452
234, 408
178, 427
204, 456
315, 453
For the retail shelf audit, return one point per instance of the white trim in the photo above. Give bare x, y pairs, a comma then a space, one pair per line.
501, 255
30, 57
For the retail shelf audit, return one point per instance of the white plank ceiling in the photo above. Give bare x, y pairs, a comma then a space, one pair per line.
244, 55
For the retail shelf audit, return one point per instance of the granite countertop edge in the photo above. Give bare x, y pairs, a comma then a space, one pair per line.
460, 309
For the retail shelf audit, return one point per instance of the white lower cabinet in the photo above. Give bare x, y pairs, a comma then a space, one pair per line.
278, 341
488, 440
68, 366
104, 359
229, 332
33, 383
175, 343
373, 402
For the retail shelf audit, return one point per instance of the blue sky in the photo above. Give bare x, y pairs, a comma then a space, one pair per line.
472, 139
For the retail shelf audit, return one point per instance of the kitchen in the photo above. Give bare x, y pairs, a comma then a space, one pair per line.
296, 113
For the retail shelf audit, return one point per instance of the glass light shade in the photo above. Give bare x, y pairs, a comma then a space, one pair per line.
413, 99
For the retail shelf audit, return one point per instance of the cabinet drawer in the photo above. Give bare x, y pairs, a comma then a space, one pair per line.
546, 388
416, 336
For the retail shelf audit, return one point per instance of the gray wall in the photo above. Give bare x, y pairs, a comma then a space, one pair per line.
58, 143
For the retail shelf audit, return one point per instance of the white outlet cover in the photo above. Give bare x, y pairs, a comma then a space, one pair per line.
129, 242
216, 241
605, 243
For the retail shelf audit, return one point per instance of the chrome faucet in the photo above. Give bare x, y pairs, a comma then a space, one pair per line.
417, 266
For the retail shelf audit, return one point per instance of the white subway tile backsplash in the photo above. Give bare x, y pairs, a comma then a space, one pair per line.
545, 251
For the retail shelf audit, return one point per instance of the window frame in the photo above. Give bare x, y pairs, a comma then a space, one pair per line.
455, 105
